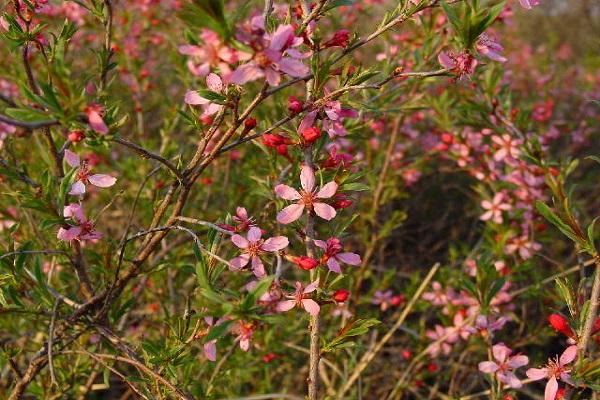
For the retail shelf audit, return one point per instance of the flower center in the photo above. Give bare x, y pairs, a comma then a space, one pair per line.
262, 59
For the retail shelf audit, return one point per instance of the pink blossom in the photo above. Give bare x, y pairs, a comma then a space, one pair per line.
193, 97
508, 147
523, 245
210, 347
441, 343
504, 365
307, 197
332, 115
83, 230
299, 299
438, 296
274, 54
253, 247
494, 208
490, 48
461, 64
486, 325
244, 332
94, 115
212, 53
529, 4
84, 177
333, 254
554, 371
386, 299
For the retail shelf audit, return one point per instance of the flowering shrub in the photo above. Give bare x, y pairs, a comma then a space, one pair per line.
331, 199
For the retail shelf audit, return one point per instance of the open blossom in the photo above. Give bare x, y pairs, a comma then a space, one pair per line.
307, 197
442, 341
438, 297
244, 332
461, 64
333, 254
210, 347
212, 53
522, 245
253, 247
504, 365
273, 55
83, 230
94, 115
192, 97
332, 115
490, 48
494, 208
386, 299
529, 4
299, 299
554, 371
84, 177
508, 147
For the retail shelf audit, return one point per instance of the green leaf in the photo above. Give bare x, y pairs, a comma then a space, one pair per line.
217, 331
27, 115
212, 96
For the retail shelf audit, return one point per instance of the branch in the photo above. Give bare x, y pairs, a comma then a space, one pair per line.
147, 154
28, 125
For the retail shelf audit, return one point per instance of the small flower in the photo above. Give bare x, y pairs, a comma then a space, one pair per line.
529, 4
307, 197
253, 247
84, 177
299, 299
461, 64
490, 48
554, 371
304, 262
340, 38
84, 230
333, 254
504, 365
94, 115
508, 147
494, 208
311, 134
384, 299
193, 97
244, 332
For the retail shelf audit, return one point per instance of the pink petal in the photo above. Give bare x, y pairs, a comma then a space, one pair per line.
214, 82
488, 367
525, 4
501, 352
537, 373
190, 50
328, 190
334, 265
210, 350
192, 97
72, 159
258, 268
281, 37
77, 189
349, 258
445, 60
290, 213
273, 77
551, 389
307, 121
286, 192
324, 211
321, 243
239, 241
311, 287
245, 344
74, 211
246, 73
307, 178
285, 305
239, 262
518, 361
275, 243
241, 212
311, 306
93, 235
568, 355
96, 122
254, 234
69, 234
292, 67
510, 379
102, 180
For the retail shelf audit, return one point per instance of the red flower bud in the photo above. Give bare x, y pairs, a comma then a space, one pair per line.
76, 136
560, 324
269, 357
447, 138
596, 326
406, 354
250, 123
432, 367
294, 105
560, 394
341, 295
274, 140
206, 119
397, 300
340, 39
304, 262
311, 134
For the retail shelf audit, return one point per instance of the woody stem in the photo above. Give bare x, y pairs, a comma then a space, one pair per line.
586, 332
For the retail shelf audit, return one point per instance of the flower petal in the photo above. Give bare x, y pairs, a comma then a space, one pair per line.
102, 180
518, 361
193, 98
286, 192
239, 262
246, 73
327, 191
349, 258
239, 241
324, 211
537, 373
568, 355
307, 178
214, 82
96, 122
254, 234
290, 213
258, 267
210, 350
69, 234
72, 159
488, 367
311, 306
333, 265
275, 243
551, 389
311, 287
292, 67
77, 189
285, 305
